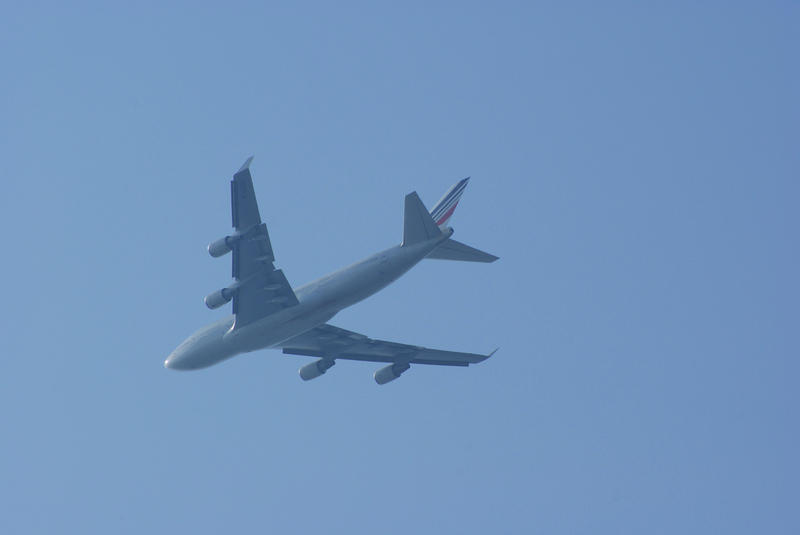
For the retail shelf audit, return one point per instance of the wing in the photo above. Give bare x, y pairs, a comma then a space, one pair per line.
261, 289
332, 342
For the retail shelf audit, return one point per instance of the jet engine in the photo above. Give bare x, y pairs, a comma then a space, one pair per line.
315, 369
222, 246
220, 297
390, 372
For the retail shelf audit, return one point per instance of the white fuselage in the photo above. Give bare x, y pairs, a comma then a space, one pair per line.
319, 301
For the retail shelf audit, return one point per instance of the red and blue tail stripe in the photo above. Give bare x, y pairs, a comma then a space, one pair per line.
444, 209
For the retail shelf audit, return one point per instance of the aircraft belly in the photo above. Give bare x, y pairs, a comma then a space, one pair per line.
361, 281
275, 329
319, 302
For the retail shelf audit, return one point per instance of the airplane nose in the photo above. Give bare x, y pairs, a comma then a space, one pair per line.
185, 357
175, 361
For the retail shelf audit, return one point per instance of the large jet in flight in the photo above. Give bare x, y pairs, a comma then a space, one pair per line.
268, 313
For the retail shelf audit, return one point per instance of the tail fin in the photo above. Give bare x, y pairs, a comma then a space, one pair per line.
418, 225
451, 249
444, 209
454, 250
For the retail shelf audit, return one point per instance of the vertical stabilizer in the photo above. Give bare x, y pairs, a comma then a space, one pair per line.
443, 211
418, 225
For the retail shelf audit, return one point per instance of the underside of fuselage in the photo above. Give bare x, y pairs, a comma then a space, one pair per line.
319, 301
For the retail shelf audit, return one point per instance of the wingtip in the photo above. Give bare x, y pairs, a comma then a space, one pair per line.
246, 164
492, 353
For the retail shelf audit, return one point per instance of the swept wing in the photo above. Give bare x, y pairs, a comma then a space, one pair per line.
330, 342
259, 289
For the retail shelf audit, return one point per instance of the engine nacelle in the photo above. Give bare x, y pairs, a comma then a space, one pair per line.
222, 246
390, 372
315, 369
219, 298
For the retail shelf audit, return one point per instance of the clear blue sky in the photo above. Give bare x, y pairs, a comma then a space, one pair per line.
635, 167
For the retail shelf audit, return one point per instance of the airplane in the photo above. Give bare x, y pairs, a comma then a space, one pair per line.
268, 313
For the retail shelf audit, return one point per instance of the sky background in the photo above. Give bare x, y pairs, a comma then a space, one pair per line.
634, 165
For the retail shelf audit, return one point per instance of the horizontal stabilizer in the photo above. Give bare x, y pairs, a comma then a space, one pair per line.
454, 250
418, 225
